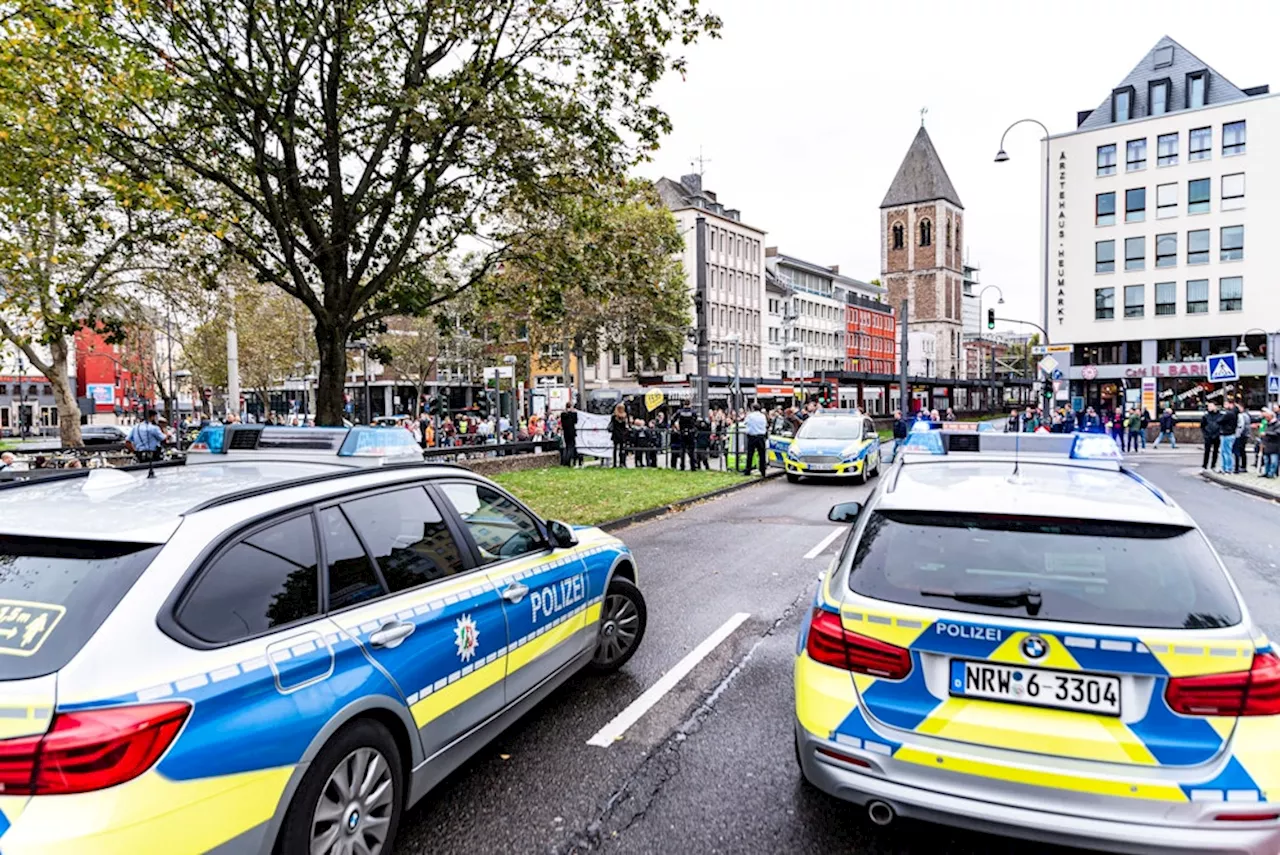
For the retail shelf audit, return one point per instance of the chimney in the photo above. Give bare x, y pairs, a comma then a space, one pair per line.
835, 268
692, 184
733, 213
770, 251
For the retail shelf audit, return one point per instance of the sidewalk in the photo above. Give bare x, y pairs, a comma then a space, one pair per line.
1250, 482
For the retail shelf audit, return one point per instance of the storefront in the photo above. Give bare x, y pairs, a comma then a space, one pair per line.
1179, 385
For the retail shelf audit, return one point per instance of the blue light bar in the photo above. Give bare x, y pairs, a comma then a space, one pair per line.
924, 442
209, 440
1094, 446
380, 442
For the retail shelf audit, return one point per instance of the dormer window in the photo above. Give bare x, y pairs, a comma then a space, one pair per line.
1122, 104
1163, 57
1158, 97
1197, 89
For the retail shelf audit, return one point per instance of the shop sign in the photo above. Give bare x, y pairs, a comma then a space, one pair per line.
775, 391
1169, 369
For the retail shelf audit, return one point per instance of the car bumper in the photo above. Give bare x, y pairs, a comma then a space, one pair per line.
840, 470
1042, 821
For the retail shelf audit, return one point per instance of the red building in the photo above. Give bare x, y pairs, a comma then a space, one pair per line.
870, 336
114, 375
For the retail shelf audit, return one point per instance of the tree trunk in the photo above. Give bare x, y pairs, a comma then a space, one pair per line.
331, 343
63, 395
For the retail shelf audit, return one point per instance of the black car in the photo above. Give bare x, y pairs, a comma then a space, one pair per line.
102, 435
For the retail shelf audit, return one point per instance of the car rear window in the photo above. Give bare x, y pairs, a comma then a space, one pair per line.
54, 594
1110, 573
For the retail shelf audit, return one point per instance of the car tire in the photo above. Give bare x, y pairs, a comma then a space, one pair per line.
793, 478
863, 477
623, 618
327, 783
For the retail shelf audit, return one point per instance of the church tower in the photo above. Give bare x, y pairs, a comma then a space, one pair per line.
921, 229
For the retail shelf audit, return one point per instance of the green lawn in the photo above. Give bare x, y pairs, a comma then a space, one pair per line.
596, 494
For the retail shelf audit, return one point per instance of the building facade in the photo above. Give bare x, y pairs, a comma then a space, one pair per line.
814, 312
921, 251
871, 335
1161, 198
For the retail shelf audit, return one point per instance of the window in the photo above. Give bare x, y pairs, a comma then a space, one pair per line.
1135, 205
407, 536
1166, 250
1122, 104
1162, 57
266, 580
926, 233
1135, 253
615, 357
897, 236
1232, 138
1104, 256
1231, 294
1197, 296
1166, 298
4, 390
351, 576
1198, 247
1233, 191
1201, 144
1158, 97
1167, 150
1107, 159
1231, 243
500, 528
1104, 303
1166, 201
1197, 89
1105, 209
1198, 196
1134, 302
1135, 155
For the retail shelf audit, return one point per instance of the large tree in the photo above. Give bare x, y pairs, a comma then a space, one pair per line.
342, 148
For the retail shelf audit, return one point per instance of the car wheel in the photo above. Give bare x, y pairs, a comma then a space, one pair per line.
793, 478
875, 473
623, 618
863, 477
351, 798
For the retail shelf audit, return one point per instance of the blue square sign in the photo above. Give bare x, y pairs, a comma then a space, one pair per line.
1222, 368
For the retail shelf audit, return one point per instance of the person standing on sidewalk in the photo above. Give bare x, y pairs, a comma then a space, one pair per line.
1270, 445
1211, 436
1228, 423
1241, 445
145, 440
1132, 427
1167, 424
756, 430
569, 432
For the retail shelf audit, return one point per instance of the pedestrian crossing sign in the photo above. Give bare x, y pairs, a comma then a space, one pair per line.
1273, 385
1222, 368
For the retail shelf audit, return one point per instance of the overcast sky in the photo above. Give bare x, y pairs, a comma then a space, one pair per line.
805, 108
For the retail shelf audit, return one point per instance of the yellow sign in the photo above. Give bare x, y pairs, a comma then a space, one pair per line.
653, 399
24, 626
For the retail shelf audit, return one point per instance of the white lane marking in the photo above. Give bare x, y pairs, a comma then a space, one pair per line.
824, 543
613, 731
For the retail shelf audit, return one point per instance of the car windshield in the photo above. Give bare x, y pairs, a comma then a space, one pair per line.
1094, 572
827, 427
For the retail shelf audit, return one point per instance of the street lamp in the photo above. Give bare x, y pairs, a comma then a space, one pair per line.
795, 347
992, 385
1242, 349
1002, 157
363, 347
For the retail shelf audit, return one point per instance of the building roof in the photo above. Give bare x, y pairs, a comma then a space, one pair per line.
778, 259
1176, 62
689, 193
921, 177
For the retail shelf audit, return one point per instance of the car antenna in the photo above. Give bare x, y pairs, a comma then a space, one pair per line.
1015, 478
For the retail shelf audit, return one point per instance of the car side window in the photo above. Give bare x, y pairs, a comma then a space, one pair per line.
351, 576
407, 536
500, 527
267, 579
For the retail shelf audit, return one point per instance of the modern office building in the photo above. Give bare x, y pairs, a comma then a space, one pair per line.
1159, 247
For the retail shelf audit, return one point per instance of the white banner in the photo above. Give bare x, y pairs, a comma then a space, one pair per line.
593, 435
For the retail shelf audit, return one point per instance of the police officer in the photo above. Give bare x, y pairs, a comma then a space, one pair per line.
686, 425
145, 439
703, 445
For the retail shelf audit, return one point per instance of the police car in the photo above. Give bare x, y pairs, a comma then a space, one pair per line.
280, 646
830, 443
1022, 636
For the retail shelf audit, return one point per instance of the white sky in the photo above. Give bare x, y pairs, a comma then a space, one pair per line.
805, 108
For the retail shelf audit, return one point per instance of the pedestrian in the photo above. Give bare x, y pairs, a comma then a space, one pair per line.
653, 439
1211, 435
1271, 445
1091, 423
951, 415
1167, 424
1133, 427
620, 434
569, 433
145, 439
702, 442
901, 427
685, 423
7, 460
1011, 424
1228, 424
1241, 445
1029, 421
757, 429
1146, 420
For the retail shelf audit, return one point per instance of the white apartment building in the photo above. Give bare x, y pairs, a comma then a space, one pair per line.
922, 353
1159, 243
812, 312
775, 360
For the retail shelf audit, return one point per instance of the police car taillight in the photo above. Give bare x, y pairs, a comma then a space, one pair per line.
1239, 693
90, 749
831, 644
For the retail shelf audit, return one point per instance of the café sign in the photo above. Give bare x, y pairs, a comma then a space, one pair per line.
1169, 369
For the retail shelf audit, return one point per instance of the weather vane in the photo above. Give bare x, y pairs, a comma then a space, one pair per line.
700, 163
923, 110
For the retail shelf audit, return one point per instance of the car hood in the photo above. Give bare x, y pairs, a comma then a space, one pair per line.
829, 447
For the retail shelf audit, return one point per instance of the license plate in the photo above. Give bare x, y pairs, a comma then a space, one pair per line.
822, 467
1037, 687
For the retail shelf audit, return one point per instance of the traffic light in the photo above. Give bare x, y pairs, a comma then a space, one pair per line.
437, 406
482, 406
991, 319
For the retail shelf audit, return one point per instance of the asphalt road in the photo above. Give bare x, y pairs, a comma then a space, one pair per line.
710, 768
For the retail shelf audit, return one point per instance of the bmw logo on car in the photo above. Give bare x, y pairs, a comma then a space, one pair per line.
1034, 647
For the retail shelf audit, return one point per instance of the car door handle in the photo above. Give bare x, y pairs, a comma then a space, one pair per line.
391, 635
514, 592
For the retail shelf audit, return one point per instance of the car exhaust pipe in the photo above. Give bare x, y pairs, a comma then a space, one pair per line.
880, 813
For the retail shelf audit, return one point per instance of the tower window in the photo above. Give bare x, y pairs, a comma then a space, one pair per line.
898, 237
926, 233
948, 233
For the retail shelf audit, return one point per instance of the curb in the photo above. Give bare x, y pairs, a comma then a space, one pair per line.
663, 510
1235, 485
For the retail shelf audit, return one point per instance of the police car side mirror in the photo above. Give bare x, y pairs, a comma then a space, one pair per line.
562, 537
845, 512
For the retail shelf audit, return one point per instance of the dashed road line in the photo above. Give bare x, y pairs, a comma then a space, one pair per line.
824, 543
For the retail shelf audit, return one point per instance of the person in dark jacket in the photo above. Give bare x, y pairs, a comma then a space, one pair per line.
1241, 445
1271, 445
1069, 421
684, 435
1091, 423
1167, 423
620, 433
1228, 422
1211, 433
568, 431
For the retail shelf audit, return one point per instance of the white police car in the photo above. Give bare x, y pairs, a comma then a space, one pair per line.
273, 648
1021, 636
833, 444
